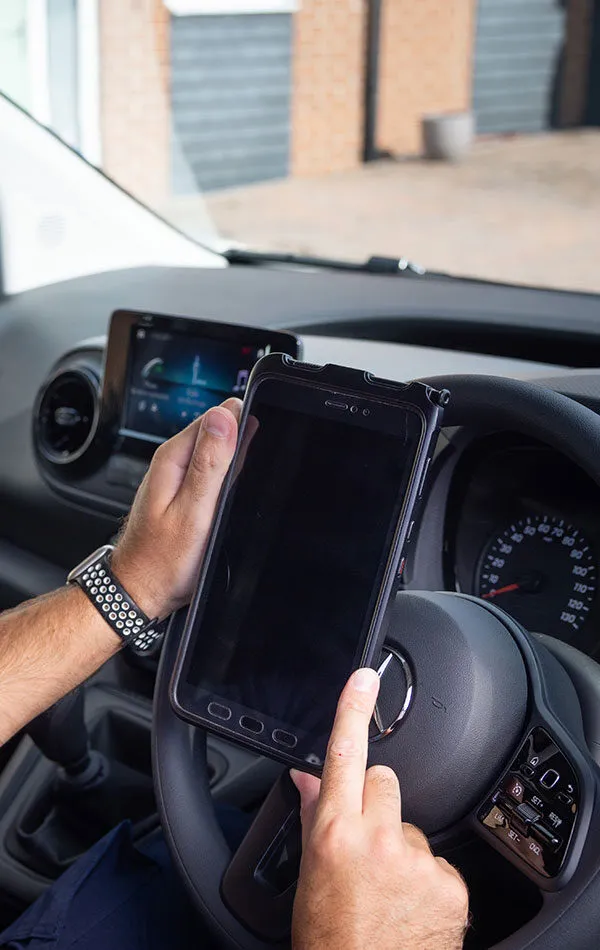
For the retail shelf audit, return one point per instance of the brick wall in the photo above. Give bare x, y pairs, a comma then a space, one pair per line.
426, 66
327, 96
135, 111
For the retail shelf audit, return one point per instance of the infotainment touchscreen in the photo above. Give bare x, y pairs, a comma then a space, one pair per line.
174, 378
164, 371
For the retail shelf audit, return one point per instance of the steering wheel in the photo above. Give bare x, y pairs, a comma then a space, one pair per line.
499, 740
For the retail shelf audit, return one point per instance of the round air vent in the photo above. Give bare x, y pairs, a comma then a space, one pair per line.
67, 415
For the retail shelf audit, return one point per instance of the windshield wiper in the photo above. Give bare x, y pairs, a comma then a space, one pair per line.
392, 266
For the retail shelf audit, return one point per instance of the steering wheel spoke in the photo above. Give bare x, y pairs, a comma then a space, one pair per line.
538, 812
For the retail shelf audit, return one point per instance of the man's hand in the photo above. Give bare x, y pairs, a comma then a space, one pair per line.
367, 879
161, 548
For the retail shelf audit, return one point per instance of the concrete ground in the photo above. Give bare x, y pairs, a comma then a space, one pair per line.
523, 209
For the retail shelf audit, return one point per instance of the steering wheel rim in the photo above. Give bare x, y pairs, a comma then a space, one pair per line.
179, 751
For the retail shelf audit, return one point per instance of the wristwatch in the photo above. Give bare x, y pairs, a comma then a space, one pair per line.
129, 622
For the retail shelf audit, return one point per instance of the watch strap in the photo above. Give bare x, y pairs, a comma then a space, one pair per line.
116, 606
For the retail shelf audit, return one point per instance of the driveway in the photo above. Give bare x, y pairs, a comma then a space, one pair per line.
524, 209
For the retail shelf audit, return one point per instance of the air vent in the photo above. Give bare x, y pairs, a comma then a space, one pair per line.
67, 415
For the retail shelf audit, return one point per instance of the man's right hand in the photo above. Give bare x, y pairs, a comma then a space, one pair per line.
367, 879
162, 545
43, 652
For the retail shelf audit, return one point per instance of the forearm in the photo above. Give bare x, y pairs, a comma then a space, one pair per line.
47, 647
50, 645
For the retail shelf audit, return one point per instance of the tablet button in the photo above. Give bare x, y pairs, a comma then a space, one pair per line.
284, 738
252, 725
219, 711
423, 478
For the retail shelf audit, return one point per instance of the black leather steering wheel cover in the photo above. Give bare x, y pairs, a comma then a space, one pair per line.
526, 407
568, 918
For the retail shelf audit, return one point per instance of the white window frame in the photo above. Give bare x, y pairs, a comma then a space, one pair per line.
88, 85
232, 7
37, 60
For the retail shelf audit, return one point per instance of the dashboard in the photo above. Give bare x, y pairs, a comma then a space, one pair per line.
521, 524
504, 518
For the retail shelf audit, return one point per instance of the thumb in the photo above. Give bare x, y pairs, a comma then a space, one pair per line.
309, 787
210, 459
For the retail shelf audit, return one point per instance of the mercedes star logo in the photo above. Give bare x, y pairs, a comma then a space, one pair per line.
392, 656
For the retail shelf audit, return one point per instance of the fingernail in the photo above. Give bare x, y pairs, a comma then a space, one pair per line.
232, 400
365, 680
216, 423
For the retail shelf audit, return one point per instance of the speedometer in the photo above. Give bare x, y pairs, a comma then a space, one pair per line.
543, 572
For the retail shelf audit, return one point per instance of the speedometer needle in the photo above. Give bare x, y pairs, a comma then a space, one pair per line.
501, 590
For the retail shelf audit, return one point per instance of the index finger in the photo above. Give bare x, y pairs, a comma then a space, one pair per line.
346, 761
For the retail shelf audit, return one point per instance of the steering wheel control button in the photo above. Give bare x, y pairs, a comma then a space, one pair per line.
527, 814
255, 726
538, 803
218, 711
506, 803
564, 799
550, 779
515, 788
497, 819
524, 816
287, 739
545, 836
534, 813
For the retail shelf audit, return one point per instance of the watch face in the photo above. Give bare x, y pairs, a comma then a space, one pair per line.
89, 560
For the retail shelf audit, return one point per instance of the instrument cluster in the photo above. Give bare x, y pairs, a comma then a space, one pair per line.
523, 532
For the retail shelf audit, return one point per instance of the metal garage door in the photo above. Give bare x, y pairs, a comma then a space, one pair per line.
230, 88
517, 58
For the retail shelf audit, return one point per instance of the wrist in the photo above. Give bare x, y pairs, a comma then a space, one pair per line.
101, 639
137, 584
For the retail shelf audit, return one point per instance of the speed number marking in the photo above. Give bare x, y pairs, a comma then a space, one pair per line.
514, 563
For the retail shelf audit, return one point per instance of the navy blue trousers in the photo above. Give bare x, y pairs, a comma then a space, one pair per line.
119, 896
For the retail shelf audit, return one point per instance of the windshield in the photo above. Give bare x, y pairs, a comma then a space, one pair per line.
462, 135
